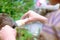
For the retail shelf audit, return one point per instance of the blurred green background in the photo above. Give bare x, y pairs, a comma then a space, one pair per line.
16, 8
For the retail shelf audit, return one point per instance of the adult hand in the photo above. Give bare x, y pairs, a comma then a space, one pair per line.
32, 16
7, 33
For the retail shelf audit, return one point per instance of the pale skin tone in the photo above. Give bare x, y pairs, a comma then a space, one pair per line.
7, 30
33, 16
8, 33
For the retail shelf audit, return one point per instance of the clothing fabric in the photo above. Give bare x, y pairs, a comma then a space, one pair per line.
51, 30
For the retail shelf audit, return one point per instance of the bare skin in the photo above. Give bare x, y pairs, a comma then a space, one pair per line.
7, 33
32, 16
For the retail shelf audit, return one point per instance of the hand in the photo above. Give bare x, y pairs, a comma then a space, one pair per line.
32, 16
7, 33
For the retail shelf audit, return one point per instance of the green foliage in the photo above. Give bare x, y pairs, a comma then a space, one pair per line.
15, 8
23, 34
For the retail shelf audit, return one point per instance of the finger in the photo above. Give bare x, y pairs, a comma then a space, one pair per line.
25, 15
28, 20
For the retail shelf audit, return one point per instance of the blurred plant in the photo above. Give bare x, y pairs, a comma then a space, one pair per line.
15, 8
23, 34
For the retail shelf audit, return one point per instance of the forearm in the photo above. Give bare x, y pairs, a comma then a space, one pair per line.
42, 19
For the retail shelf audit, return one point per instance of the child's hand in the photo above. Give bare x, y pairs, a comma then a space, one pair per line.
32, 16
